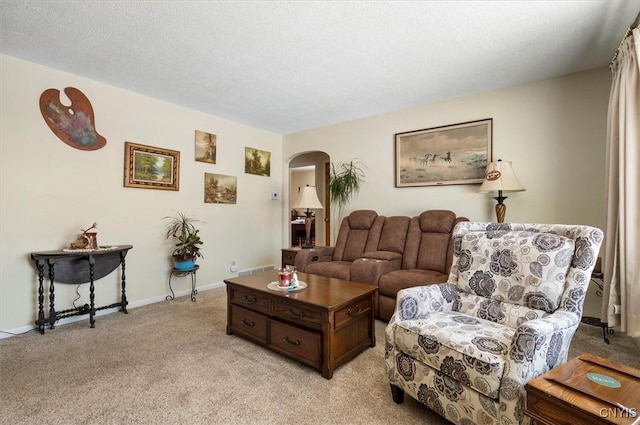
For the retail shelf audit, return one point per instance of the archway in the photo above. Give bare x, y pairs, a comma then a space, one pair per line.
311, 168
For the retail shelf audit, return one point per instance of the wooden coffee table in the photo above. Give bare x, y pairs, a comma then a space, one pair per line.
586, 390
323, 325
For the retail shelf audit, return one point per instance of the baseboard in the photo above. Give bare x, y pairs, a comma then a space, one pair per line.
256, 270
133, 304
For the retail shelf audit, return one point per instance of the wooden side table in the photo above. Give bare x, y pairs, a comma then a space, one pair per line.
586, 390
183, 273
289, 256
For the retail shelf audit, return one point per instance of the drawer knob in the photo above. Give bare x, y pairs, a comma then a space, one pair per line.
247, 323
251, 300
288, 341
292, 313
358, 311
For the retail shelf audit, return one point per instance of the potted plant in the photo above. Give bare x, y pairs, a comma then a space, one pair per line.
181, 228
344, 182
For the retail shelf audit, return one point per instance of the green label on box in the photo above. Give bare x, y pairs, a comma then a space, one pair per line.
605, 380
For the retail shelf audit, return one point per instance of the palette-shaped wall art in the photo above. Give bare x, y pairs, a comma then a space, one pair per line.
73, 124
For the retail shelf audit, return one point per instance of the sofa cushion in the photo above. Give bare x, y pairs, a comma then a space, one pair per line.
354, 246
433, 251
358, 233
470, 350
337, 269
428, 241
362, 219
394, 234
501, 264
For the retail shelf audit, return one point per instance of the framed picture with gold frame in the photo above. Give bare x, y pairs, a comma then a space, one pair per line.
150, 167
445, 155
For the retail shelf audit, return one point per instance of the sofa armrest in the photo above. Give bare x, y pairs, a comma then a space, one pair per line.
313, 255
374, 265
382, 255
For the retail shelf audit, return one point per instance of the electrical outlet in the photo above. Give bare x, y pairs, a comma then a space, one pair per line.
233, 267
274, 196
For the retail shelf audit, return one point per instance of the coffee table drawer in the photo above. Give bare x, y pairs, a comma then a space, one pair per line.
297, 343
249, 323
352, 312
250, 300
302, 315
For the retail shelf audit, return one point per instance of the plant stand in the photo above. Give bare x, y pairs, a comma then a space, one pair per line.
597, 278
183, 273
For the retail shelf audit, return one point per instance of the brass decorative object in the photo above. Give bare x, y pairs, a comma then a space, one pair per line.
86, 240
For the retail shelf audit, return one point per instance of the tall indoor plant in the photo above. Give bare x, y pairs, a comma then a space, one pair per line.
182, 229
344, 182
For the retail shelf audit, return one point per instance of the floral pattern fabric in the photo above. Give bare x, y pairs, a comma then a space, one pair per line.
524, 268
507, 314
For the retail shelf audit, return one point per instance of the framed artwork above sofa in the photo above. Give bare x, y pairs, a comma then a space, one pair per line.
445, 155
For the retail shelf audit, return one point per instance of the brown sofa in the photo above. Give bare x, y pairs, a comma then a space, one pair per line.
390, 252
427, 257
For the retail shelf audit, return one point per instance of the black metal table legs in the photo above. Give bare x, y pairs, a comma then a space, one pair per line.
182, 273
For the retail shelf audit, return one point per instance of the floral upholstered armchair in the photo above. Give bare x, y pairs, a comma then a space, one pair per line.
507, 314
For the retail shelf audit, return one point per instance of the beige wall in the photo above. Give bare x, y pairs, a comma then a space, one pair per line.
553, 131
50, 190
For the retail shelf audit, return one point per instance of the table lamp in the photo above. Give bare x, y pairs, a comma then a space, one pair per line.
308, 198
500, 178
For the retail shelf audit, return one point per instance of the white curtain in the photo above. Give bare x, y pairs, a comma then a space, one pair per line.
622, 245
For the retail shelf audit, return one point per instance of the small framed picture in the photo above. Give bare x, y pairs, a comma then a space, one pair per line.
450, 154
257, 162
205, 147
220, 189
149, 167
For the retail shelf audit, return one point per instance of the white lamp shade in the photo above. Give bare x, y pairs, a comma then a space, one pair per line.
307, 198
501, 177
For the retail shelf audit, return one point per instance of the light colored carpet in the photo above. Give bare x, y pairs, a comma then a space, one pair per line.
173, 363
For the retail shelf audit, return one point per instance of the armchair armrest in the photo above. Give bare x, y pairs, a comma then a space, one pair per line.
313, 255
419, 301
540, 345
373, 265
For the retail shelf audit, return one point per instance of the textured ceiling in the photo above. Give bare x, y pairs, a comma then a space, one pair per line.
287, 66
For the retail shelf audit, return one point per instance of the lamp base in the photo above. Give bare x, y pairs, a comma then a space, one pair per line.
501, 211
307, 227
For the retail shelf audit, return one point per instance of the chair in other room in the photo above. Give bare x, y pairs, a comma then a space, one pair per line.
507, 314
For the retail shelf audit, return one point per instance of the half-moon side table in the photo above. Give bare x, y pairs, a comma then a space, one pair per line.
77, 266
183, 273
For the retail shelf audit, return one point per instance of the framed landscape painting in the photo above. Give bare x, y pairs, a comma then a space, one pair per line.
220, 189
149, 167
257, 162
206, 147
446, 155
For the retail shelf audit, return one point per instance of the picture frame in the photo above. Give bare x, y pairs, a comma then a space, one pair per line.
446, 155
205, 146
220, 189
150, 167
257, 162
